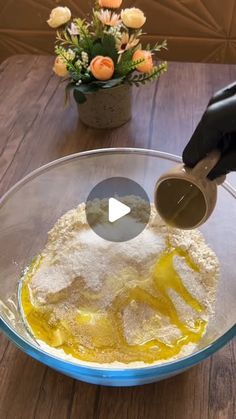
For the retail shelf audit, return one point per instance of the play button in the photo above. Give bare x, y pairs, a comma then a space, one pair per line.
118, 209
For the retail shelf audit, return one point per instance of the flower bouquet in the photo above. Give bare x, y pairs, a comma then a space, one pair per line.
103, 58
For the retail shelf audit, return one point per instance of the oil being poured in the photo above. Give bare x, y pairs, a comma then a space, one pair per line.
180, 203
91, 334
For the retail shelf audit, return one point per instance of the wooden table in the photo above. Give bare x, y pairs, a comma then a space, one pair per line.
35, 129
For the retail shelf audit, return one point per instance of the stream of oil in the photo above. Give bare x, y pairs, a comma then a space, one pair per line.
104, 331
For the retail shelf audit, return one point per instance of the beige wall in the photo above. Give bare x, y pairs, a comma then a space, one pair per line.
196, 30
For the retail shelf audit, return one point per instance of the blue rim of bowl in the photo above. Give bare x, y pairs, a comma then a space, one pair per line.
166, 368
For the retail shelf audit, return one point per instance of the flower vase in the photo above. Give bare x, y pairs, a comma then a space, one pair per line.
107, 108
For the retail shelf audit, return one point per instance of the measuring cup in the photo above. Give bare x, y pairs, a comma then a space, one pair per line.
185, 198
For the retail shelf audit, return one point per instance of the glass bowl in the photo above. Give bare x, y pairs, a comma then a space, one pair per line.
32, 206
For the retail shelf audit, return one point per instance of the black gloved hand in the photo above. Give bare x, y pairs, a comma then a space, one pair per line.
216, 130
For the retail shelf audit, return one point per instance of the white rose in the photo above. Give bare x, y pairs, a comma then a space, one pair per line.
59, 16
133, 18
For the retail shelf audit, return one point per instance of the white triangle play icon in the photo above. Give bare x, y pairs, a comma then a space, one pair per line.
117, 210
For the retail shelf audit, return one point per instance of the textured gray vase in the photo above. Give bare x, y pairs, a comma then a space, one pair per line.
107, 108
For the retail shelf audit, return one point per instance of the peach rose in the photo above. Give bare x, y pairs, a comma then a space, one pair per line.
133, 18
110, 4
102, 68
59, 16
147, 65
60, 68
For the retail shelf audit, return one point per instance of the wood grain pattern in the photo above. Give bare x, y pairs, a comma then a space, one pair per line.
36, 128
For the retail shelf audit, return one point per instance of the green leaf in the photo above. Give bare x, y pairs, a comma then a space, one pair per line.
79, 96
127, 55
105, 47
109, 44
109, 83
87, 88
75, 40
81, 90
144, 78
86, 78
97, 49
64, 38
158, 47
97, 24
126, 67
85, 42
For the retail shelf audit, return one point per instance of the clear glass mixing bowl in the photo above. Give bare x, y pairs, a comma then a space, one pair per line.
32, 207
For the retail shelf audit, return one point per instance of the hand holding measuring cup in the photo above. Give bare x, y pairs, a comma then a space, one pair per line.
186, 196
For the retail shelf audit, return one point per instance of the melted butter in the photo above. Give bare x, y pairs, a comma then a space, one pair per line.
95, 336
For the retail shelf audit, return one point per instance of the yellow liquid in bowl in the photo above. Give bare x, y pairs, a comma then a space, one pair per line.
98, 336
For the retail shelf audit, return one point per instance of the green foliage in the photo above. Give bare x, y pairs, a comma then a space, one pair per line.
85, 36
83, 28
109, 45
106, 46
80, 90
158, 47
97, 25
97, 49
126, 67
66, 40
76, 67
143, 78
109, 83
127, 55
79, 96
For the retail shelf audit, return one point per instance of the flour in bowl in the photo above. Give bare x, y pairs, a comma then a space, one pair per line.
144, 301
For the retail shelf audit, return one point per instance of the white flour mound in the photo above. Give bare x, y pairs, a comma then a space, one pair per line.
75, 253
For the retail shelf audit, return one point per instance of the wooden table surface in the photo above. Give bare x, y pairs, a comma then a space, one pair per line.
35, 129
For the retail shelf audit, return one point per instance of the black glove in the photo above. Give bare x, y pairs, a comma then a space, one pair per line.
216, 130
